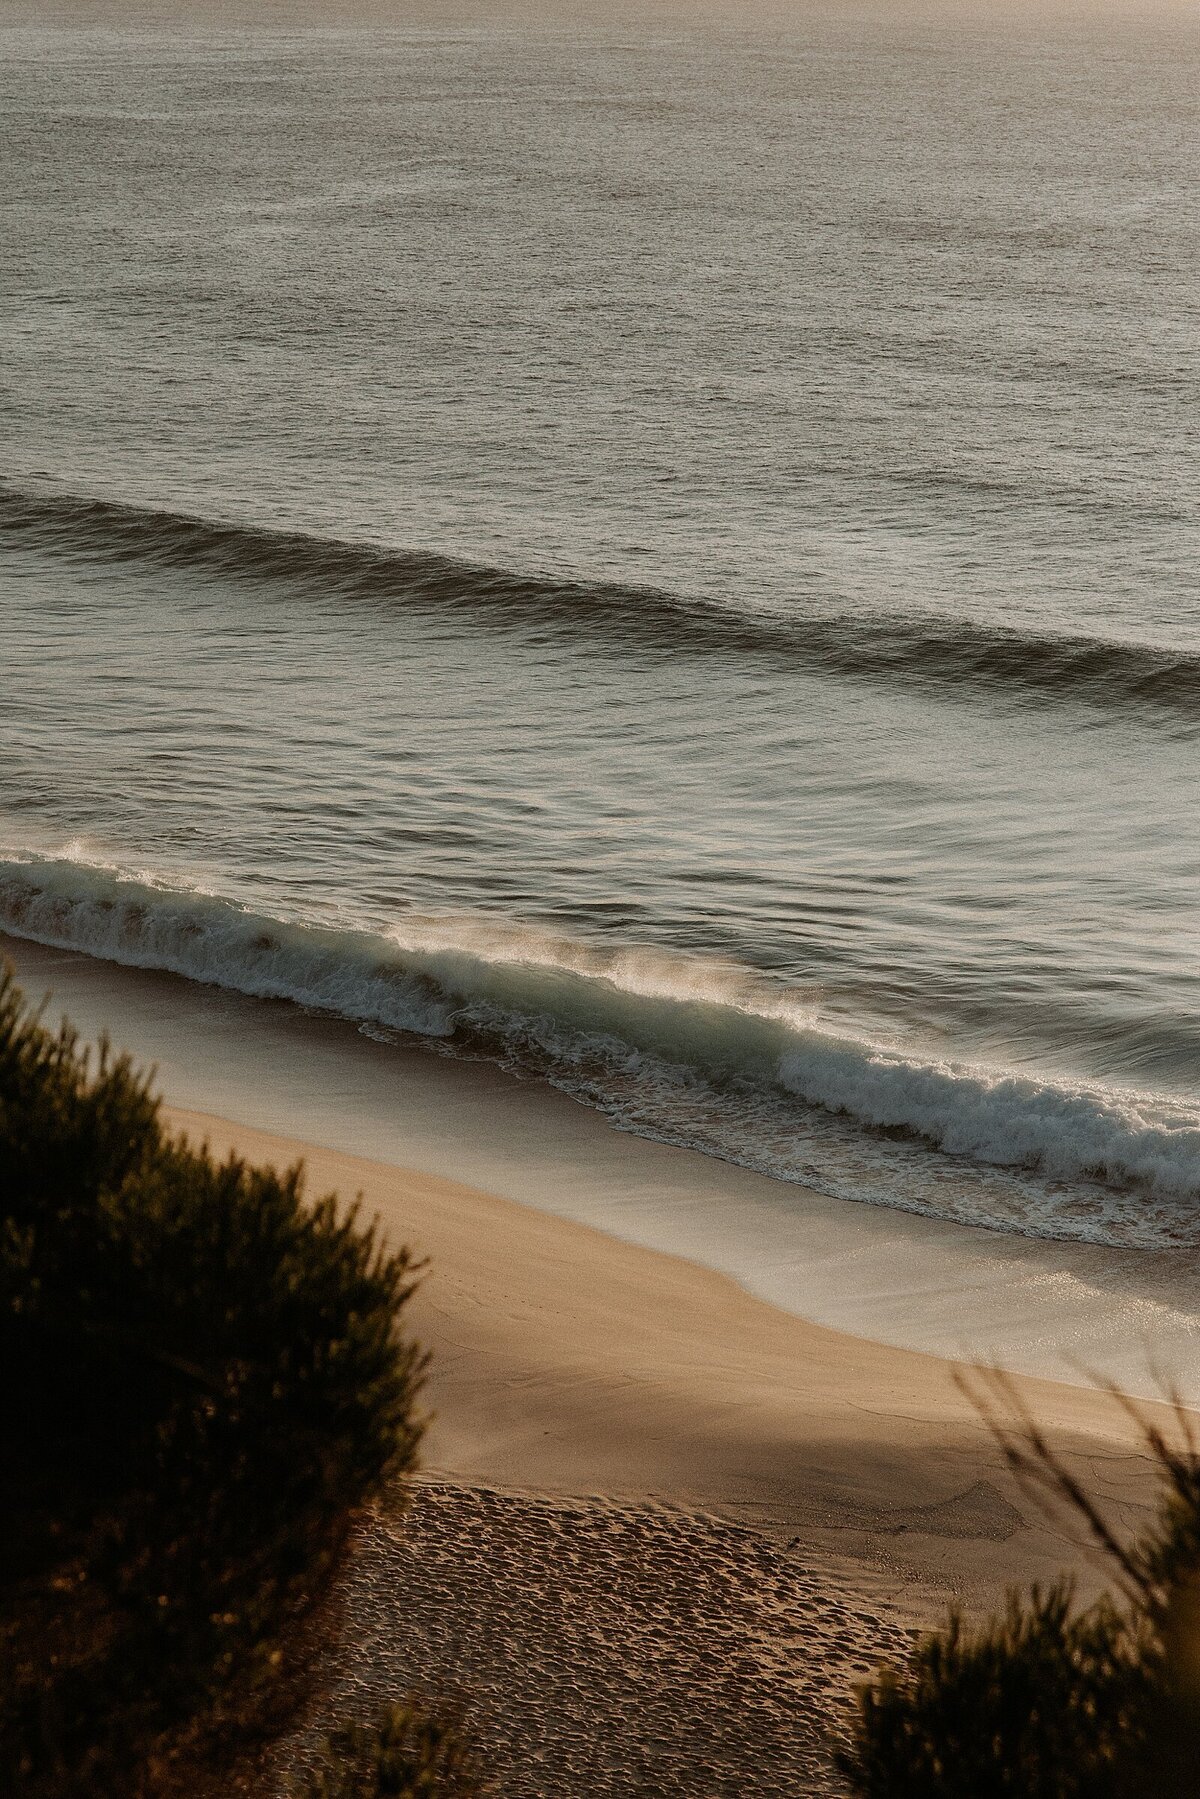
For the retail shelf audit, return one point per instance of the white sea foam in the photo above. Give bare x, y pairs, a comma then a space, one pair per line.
692, 1050
1005, 1119
74, 906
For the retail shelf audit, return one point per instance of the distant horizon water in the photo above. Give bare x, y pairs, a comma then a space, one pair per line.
674, 572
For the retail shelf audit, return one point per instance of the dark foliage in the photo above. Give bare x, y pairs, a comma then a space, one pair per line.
412, 1753
1034, 1705
203, 1378
1053, 1701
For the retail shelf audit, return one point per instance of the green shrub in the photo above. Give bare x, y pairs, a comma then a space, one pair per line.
203, 1378
1052, 1701
412, 1753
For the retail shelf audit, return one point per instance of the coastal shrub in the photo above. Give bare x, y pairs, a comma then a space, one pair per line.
1052, 1700
1035, 1704
411, 1753
204, 1378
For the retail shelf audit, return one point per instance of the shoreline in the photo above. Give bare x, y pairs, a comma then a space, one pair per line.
1063, 1311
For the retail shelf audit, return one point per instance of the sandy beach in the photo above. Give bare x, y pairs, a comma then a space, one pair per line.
663, 1526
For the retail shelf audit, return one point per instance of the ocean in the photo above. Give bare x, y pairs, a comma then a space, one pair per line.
655, 548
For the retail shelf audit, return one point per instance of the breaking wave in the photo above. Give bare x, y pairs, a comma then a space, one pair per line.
1059, 669
688, 1050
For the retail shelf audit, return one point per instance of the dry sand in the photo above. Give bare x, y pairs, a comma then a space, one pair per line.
662, 1525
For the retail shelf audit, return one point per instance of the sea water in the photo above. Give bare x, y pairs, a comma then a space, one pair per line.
655, 547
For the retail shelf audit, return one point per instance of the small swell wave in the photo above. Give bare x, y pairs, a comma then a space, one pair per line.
688, 1050
1028, 666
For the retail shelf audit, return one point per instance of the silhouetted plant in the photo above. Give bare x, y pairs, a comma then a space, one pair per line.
1051, 1700
411, 1753
203, 1379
